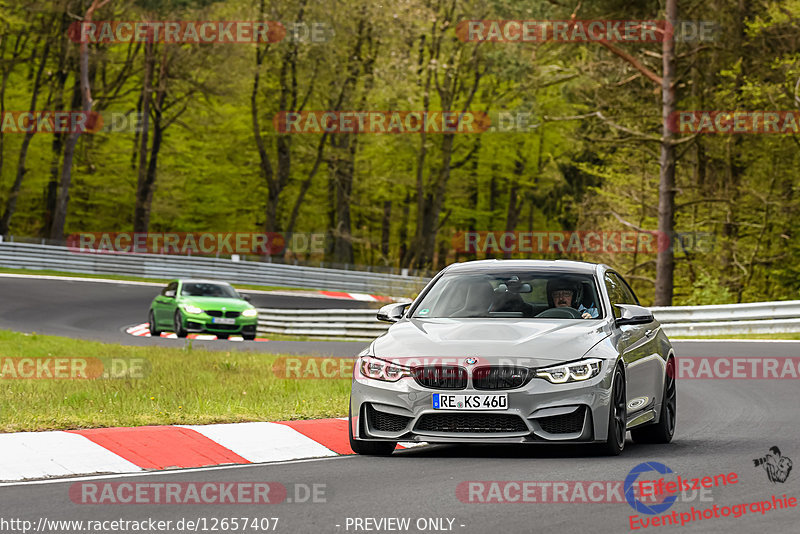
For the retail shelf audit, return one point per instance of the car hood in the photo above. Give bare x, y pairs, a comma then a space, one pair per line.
216, 303
534, 343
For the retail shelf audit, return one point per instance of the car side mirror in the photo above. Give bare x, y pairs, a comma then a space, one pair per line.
246, 297
632, 314
391, 313
170, 293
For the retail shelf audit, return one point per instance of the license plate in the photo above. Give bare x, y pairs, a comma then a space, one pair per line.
445, 401
223, 320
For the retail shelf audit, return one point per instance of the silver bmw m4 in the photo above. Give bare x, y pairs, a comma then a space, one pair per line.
516, 351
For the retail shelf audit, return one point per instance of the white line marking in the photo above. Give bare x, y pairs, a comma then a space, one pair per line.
171, 471
81, 279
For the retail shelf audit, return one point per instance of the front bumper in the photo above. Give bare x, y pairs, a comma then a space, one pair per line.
538, 412
202, 322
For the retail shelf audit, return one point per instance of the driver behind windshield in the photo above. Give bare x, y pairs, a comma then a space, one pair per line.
563, 294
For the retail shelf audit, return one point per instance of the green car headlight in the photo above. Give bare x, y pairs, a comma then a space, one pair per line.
252, 312
571, 372
192, 309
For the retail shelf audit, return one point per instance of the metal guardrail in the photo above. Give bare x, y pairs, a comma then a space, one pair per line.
751, 318
780, 317
349, 324
782, 326
785, 309
727, 319
39, 257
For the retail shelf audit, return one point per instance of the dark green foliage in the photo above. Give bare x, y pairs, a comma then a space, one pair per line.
568, 168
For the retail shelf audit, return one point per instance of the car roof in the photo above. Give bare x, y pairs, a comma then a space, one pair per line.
569, 266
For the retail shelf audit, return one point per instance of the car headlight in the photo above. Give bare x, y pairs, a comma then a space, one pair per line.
571, 372
378, 369
251, 312
192, 309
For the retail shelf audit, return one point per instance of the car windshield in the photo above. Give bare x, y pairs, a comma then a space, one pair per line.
522, 293
202, 289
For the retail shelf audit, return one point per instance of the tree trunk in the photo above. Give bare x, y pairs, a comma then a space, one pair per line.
304, 187
60, 216
386, 229
345, 145
402, 253
7, 66
416, 246
152, 165
494, 194
11, 203
514, 202
473, 195
341, 169
731, 275
57, 145
435, 201
665, 262
140, 215
265, 164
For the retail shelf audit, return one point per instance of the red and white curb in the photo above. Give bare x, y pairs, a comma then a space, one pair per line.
356, 296
341, 295
143, 330
34, 455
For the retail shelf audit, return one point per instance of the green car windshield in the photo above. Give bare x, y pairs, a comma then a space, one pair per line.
198, 289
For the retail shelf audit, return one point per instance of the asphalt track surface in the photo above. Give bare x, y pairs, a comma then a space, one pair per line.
102, 311
722, 426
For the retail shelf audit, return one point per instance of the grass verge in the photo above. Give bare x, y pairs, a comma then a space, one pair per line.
181, 386
274, 336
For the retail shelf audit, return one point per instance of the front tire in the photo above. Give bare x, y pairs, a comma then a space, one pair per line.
617, 417
178, 324
662, 431
368, 448
152, 325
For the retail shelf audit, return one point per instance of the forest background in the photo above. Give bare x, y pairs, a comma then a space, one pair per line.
577, 142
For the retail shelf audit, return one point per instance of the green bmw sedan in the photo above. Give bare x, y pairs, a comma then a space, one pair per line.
206, 306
